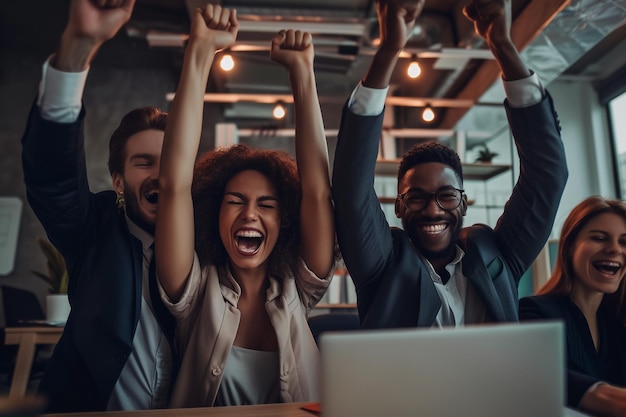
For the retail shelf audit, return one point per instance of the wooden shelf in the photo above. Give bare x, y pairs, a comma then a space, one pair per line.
336, 305
389, 167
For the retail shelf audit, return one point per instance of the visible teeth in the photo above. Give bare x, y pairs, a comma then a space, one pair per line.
249, 233
434, 228
607, 266
249, 241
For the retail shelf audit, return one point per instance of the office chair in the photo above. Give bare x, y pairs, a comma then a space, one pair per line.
20, 305
333, 322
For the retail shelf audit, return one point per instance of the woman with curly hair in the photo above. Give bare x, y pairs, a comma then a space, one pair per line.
245, 243
586, 291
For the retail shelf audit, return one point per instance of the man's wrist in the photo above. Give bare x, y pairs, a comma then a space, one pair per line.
75, 54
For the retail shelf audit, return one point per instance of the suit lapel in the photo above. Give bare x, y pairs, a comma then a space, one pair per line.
430, 303
476, 272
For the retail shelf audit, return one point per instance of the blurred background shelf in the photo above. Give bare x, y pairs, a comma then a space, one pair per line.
389, 167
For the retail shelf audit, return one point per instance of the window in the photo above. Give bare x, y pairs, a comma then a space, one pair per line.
612, 94
617, 110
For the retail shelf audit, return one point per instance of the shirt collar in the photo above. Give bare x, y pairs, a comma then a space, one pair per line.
146, 238
458, 256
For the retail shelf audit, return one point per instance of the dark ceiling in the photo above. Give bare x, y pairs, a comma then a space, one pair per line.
456, 68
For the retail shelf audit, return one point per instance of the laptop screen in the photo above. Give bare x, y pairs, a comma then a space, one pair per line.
512, 370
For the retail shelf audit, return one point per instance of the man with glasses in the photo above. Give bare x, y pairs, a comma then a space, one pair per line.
434, 272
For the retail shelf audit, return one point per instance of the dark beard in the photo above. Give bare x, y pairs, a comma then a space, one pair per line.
132, 211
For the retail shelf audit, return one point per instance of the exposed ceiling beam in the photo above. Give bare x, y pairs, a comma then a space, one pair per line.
168, 39
288, 98
399, 133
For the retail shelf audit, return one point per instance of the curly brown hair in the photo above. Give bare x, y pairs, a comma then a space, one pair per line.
211, 174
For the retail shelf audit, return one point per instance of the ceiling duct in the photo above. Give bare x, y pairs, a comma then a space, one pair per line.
432, 30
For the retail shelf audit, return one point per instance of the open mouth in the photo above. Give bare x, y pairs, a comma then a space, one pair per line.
433, 228
152, 196
607, 267
249, 241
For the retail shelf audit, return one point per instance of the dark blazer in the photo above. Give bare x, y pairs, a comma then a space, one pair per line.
585, 365
104, 263
394, 288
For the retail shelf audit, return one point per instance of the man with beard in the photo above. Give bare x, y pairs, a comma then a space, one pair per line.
114, 354
434, 272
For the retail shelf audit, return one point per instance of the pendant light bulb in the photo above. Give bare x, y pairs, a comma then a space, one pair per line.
414, 70
279, 111
428, 115
227, 62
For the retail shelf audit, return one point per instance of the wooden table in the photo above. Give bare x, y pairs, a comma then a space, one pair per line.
27, 338
267, 410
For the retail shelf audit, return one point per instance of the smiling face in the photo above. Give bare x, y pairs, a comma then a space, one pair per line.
599, 255
432, 230
249, 220
140, 180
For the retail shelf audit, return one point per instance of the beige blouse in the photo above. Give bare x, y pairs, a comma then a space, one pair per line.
208, 319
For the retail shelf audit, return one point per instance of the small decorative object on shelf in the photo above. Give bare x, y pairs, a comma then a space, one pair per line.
485, 155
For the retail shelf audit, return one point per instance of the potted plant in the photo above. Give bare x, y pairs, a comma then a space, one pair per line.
57, 304
485, 155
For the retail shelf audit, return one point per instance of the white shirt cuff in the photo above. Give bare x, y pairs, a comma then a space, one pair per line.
60, 94
366, 101
525, 92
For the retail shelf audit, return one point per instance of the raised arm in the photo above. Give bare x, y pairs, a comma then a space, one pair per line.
528, 217
55, 174
363, 232
492, 21
396, 19
212, 28
90, 24
294, 50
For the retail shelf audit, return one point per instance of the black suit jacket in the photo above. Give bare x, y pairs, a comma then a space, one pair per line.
104, 263
394, 288
585, 365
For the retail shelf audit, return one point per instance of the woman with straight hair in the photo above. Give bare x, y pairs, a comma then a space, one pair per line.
586, 291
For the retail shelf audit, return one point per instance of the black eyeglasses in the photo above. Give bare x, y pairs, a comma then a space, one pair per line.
447, 199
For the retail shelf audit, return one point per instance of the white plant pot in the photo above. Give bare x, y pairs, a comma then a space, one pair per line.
57, 308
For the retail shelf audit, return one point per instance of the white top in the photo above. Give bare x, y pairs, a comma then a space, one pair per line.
144, 380
250, 377
460, 305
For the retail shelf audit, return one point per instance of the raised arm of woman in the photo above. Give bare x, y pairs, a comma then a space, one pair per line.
294, 50
212, 28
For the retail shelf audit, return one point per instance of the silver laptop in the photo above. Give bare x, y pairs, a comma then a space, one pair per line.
502, 370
